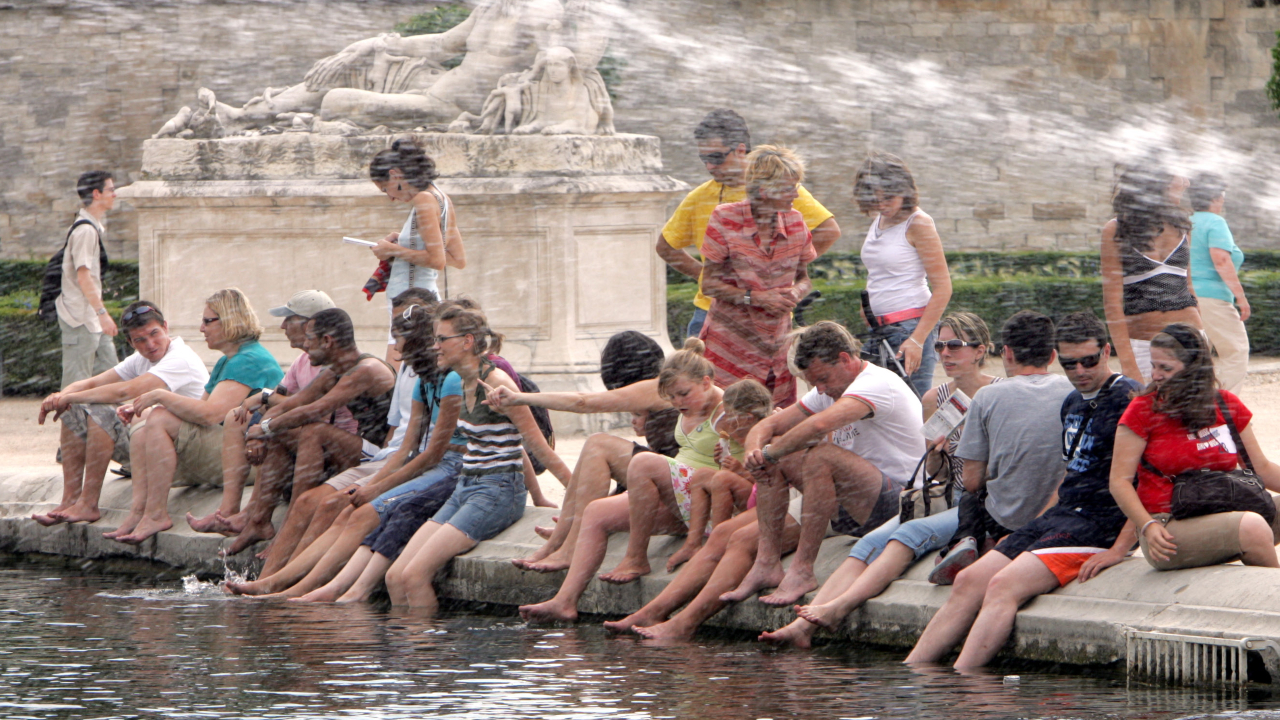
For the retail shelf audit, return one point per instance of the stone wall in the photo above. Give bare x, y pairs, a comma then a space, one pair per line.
1011, 112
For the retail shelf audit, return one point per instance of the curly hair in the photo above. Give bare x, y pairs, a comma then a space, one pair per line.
418, 169
1190, 396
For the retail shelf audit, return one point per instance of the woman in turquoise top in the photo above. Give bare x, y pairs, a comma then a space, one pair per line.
1215, 262
182, 436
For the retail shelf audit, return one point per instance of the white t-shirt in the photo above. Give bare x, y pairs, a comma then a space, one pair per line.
400, 411
182, 371
890, 436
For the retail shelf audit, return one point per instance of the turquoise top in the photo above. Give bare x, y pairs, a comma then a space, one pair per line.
1209, 230
251, 366
441, 389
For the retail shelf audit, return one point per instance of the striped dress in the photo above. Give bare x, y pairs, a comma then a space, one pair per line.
493, 442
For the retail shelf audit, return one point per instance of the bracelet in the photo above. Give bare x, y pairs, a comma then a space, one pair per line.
917, 342
266, 427
768, 456
1145, 525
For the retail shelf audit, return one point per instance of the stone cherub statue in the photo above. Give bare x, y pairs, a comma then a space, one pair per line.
554, 97
401, 82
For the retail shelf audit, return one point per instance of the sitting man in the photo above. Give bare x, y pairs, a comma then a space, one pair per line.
236, 453
1072, 538
297, 431
874, 420
93, 429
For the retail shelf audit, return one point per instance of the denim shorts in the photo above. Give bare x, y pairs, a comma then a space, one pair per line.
413, 511
922, 535
896, 334
447, 469
482, 506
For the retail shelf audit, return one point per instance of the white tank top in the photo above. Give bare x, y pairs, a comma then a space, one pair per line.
896, 279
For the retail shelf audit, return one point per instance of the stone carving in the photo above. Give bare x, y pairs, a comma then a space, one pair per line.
528, 66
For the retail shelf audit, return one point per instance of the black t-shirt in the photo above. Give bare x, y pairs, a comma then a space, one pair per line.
1087, 484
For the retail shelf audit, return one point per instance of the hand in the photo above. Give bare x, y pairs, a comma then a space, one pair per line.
500, 397
1245, 310
51, 404
1099, 562
147, 399
730, 463
385, 250
1160, 544
909, 353
938, 445
362, 494
255, 451
108, 325
240, 415
125, 413
255, 433
777, 302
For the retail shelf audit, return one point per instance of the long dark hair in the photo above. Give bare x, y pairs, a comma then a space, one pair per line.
1191, 395
1142, 205
418, 169
416, 324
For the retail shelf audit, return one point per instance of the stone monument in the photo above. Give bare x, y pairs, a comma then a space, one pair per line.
559, 213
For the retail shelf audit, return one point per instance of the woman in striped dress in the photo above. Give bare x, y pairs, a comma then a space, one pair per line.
490, 494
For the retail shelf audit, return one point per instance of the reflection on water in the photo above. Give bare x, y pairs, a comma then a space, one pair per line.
104, 647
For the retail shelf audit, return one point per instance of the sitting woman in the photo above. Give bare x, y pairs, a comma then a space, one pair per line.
757, 253
686, 382
629, 366
1145, 257
180, 438
882, 555
490, 494
1183, 423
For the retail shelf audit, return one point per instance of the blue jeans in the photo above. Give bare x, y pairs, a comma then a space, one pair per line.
448, 468
696, 322
922, 535
896, 334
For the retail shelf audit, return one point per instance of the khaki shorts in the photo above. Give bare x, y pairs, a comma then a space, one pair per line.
199, 449
357, 475
1205, 540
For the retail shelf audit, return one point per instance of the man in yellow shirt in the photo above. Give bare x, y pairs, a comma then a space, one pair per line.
723, 144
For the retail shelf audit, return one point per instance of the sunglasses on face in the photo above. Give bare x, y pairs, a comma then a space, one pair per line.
208, 321
714, 158
953, 344
136, 312
1089, 361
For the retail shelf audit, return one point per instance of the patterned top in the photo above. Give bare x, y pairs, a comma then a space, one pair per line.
1154, 286
493, 442
746, 340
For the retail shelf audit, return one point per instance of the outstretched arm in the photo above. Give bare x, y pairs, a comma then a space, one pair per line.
635, 398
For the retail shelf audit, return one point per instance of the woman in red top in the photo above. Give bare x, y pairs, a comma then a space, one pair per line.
756, 255
1176, 426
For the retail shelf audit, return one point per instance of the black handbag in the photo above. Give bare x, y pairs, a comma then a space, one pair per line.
1205, 492
931, 495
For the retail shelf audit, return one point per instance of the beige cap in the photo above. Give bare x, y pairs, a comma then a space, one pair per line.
305, 303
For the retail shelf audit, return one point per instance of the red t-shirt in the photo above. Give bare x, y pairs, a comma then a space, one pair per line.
1172, 449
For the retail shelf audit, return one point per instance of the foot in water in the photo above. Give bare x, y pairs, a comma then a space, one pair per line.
630, 622
665, 631
551, 611
798, 634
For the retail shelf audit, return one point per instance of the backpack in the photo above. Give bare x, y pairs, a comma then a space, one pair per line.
542, 417
51, 283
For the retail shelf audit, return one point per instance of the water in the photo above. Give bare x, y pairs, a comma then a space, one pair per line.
90, 646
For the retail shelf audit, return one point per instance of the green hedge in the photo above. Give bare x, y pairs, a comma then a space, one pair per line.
30, 348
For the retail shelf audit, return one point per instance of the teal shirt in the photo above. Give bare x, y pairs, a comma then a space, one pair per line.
1209, 230
251, 366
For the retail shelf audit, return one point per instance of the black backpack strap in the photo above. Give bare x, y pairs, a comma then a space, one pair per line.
1241, 452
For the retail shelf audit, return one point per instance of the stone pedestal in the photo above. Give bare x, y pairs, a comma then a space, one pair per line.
559, 235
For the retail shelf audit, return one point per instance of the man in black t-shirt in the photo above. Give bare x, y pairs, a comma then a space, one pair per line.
1082, 534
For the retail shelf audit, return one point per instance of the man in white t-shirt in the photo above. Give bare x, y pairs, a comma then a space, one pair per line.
96, 431
873, 421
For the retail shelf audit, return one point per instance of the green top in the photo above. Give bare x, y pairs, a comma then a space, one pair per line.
251, 366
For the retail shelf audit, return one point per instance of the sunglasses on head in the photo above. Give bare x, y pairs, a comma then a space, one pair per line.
136, 312
1089, 361
954, 344
714, 158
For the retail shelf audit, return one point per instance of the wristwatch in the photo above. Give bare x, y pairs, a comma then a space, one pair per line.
100, 311
266, 396
768, 456
266, 427
746, 299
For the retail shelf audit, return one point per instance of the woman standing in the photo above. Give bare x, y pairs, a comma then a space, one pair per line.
1179, 424
429, 239
908, 282
1145, 258
756, 254
1215, 262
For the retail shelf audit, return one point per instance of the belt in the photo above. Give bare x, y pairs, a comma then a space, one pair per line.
899, 316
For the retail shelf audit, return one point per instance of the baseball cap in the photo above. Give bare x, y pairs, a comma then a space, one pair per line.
305, 303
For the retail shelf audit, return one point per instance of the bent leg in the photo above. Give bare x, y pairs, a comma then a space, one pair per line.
601, 519
603, 457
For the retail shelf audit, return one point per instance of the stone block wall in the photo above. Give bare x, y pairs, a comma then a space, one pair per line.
1012, 113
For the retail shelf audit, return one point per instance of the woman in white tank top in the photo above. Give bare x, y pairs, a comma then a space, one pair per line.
907, 277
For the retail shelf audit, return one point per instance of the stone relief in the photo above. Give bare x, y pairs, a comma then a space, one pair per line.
528, 66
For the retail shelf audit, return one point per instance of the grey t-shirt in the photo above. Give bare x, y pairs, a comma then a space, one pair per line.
1015, 427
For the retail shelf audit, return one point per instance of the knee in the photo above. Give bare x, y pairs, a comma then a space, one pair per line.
970, 584
335, 501
1255, 532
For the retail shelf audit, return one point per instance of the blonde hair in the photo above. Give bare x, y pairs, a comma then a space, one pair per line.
688, 364
239, 321
970, 328
769, 164
468, 319
748, 396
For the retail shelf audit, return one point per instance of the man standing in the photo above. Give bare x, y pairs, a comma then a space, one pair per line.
87, 329
723, 144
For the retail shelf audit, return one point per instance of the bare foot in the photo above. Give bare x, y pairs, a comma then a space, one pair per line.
793, 587
550, 611
78, 513
629, 623
758, 579
543, 502
681, 556
211, 523
538, 556
255, 587
125, 528
543, 531
320, 594
235, 523
665, 631
627, 571
250, 535
46, 519
825, 615
799, 634
145, 529
556, 561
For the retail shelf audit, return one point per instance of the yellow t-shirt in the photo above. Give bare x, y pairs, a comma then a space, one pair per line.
688, 225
